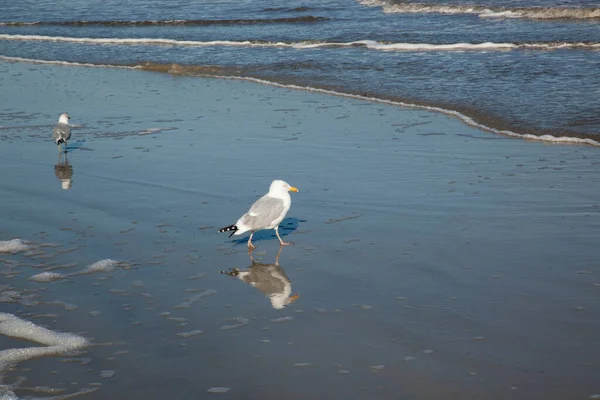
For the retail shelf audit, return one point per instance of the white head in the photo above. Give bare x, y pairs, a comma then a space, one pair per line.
66, 184
279, 300
279, 187
64, 118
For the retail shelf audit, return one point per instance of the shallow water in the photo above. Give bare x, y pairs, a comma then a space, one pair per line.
431, 259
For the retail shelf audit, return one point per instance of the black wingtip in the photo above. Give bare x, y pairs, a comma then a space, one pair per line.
229, 228
232, 272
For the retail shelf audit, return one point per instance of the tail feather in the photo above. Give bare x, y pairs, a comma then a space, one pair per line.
229, 228
59, 141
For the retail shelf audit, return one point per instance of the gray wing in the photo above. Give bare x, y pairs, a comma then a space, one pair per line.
63, 171
263, 213
268, 278
61, 131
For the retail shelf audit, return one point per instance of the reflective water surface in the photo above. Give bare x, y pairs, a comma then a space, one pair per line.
431, 259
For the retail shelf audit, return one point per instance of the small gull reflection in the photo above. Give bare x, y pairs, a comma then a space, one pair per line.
269, 279
64, 172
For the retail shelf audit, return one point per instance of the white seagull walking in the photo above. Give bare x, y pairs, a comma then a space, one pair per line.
266, 213
62, 131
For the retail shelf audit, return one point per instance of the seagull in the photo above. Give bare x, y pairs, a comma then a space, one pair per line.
269, 279
62, 131
266, 213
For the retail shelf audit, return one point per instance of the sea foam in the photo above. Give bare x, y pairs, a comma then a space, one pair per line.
55, 344
543, 13
107, 265
13, 246
46, 277
102, 266
310, 44
176, 22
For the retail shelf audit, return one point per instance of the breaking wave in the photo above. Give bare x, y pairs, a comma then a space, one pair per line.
541, 13
216, 72
177, 22
369, 44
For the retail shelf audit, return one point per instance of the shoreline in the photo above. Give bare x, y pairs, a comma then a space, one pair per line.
209, 72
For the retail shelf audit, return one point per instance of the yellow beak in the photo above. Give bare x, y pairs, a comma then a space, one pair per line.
294, 298
293, 189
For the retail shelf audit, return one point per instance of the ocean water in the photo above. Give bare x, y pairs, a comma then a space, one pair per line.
432, 259
525, 67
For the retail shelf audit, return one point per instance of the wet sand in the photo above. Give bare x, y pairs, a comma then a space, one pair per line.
432, 260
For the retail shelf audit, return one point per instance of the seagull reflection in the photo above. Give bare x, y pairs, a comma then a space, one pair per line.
269, 279
64, 172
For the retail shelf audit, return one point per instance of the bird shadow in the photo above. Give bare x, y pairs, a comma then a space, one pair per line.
76, 145
287, 226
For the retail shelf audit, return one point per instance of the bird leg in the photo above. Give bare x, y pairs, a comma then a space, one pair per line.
281, 242
277, 256
65, 147
58, 147
251, 247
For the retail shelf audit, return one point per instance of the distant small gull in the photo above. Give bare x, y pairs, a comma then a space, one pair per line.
266, 213
62, 131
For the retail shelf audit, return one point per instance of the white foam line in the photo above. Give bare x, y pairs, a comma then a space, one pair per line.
369, 44
557, 46
129, 41
462, 117
438, 47
15, 23
63, 63
576, 13
172, 42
